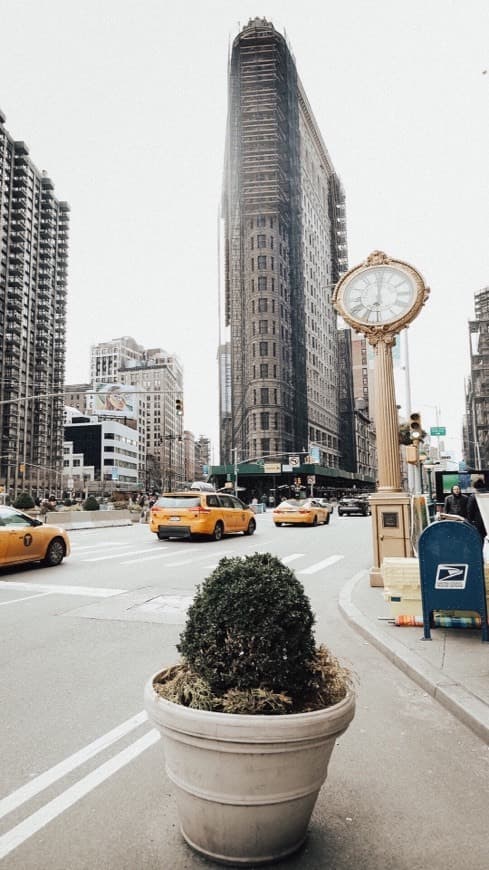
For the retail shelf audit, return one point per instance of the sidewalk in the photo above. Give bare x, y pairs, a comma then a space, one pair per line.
453, 667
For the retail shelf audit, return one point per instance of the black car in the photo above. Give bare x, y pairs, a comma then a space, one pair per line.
354, 505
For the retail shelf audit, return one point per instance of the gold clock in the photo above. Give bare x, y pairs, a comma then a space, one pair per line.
381, 295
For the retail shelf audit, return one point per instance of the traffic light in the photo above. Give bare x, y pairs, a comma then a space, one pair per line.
179, 407
415, 429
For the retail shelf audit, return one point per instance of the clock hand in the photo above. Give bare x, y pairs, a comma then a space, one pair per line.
380, 279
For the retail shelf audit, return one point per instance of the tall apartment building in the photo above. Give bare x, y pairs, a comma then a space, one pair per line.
33, 287
202, 457
284, 248
476, 423
158, 379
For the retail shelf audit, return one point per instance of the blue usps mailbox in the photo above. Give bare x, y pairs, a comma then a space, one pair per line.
452, 572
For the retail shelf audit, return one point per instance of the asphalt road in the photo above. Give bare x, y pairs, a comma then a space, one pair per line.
82, 782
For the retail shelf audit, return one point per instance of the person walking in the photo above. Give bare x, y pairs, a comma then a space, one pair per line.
456, 502
473, 512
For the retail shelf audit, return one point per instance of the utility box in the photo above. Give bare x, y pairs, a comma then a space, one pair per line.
391, 529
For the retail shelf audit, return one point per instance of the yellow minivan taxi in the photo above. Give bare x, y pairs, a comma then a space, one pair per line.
25, 539
184, 514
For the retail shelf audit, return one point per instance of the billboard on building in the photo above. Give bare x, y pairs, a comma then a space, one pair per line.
116, 400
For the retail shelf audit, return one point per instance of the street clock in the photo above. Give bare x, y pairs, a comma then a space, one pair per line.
380, 296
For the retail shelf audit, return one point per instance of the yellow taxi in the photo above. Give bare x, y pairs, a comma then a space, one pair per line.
184, 514
301, 511
25, 539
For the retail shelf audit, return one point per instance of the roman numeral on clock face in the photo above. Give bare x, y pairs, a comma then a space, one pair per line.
359, 311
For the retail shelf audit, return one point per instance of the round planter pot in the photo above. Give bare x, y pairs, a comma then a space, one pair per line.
246, 785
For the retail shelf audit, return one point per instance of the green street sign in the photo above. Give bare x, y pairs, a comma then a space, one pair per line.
438, 430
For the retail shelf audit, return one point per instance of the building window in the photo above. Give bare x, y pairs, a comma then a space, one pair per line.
265, 446
261, 220
262, 283
263, 348
261, 241
263, 370
252, 242
275, 421
263, 327
265, 420
262, 262
263, 304
263, 395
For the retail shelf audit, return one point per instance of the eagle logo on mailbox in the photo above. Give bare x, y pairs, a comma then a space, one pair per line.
451, 576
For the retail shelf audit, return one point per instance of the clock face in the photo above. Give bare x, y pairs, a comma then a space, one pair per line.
379, 294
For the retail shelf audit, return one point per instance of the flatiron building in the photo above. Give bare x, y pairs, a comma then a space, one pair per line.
283, 244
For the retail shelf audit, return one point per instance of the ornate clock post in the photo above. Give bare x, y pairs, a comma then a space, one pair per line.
379, 298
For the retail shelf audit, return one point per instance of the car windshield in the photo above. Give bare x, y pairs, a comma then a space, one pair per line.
181, 501
294, 503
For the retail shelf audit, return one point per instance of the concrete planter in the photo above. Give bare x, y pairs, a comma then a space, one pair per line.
246, 785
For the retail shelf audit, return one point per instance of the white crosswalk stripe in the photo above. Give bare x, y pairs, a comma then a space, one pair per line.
318, 566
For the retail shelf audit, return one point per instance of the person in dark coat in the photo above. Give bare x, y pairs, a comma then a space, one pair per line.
456, 502
473, 513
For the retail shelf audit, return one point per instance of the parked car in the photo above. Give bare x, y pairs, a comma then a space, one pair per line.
184, 514
26, 539
354, 505
327, 504
300, 511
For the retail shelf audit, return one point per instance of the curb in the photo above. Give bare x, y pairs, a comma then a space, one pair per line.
461, 703
93, 525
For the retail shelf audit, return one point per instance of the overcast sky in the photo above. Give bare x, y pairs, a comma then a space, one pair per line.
124, 104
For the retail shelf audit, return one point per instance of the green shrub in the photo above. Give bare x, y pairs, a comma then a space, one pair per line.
24, 501
250, 627
91, 504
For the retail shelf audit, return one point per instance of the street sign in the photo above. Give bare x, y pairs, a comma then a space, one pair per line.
311, 478
294, 460
314, 453
438, 430
115, 472
272, 468
286, 468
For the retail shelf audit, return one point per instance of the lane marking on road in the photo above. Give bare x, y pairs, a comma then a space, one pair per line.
159, 555
313, 569
32, 824
25, 598
291, 558
94, 592
118, 555
104, 544
44, 780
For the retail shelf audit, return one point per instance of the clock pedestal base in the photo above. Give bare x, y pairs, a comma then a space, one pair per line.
391, 529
